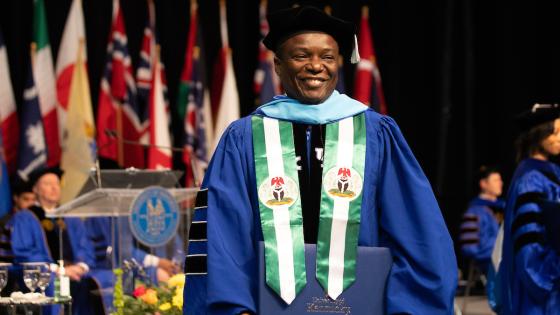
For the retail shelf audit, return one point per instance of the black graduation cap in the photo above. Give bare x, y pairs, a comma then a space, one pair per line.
37, 174
287, 22
539, 114
20, 186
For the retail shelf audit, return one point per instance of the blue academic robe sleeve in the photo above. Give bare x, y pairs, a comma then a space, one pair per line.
231, 286
423, 277
99, 232
28, 243
478, 233
81, 244
195, 262
538, 265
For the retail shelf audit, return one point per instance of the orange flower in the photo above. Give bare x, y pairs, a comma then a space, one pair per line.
150, 297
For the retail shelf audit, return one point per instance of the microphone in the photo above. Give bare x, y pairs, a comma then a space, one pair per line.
113, 134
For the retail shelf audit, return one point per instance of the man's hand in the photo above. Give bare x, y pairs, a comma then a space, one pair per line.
74, 272
168, 266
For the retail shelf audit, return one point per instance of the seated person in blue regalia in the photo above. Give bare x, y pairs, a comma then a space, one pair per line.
482, 219
530, 268
35, 238
99, 231
22, 197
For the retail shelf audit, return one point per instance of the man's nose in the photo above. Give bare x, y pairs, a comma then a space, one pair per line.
315, 65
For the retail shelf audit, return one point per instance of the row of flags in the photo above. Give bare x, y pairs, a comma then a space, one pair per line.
56, 125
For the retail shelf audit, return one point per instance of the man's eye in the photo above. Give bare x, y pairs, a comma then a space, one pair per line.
328, 57
300, 57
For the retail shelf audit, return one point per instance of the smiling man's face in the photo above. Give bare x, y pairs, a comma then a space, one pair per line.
307, 64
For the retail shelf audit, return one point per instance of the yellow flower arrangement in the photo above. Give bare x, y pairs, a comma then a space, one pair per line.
165, 299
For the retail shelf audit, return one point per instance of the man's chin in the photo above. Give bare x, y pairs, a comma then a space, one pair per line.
315, 98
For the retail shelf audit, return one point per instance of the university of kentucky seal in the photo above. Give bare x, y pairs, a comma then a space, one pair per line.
278, 191
154, 217
342, 182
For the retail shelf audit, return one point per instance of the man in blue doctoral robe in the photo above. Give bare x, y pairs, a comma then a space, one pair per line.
482, 219
35, 238
398, 208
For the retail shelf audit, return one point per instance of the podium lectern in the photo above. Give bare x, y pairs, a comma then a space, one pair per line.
111, 193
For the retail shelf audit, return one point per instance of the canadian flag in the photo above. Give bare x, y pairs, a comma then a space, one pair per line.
74, 31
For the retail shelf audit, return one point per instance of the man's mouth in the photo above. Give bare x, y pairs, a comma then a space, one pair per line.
313, 82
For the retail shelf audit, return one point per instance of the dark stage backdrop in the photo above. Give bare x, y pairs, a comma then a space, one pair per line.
454, 71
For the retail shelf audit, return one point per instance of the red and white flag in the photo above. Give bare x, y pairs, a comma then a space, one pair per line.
74, 32
9, 124
367, 87
225, 102
159, 152
144, 72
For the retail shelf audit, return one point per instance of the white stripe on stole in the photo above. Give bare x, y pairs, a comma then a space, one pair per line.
281, 213
340, 211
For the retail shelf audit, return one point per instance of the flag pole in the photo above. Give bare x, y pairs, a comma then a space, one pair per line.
120, 158
33, 50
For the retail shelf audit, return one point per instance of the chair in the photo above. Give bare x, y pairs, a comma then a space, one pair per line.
474, 275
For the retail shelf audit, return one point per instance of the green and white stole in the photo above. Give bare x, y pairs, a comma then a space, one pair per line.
280, 206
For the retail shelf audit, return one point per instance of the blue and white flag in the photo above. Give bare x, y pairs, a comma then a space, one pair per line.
33, 149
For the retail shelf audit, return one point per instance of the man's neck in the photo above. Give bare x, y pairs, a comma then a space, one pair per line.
47, 206
539, 156
487, 196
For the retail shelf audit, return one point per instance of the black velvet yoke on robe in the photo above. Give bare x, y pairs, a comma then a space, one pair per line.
309, 146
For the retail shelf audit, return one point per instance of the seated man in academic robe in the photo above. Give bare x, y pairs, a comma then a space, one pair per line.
36, 238
482, 219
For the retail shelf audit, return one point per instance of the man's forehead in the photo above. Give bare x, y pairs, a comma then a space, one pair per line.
307, 39
48, 177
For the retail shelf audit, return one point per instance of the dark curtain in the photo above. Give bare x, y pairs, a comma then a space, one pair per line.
474, 63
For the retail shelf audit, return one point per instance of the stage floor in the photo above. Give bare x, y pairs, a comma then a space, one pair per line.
476, 305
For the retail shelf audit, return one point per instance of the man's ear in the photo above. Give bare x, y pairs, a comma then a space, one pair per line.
277, 65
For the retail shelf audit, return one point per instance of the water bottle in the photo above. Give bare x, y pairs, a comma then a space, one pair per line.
61, 284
